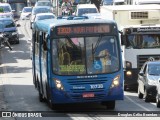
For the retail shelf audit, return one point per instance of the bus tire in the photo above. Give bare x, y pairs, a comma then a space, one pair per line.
41, 98
110, 104
34, 81
140, 95
49, 100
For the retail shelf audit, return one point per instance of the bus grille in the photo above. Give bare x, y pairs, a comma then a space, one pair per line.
80, 81
99, 93
141, 59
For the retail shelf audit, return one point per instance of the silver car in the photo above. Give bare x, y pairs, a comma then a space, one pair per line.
25, 13
148, 79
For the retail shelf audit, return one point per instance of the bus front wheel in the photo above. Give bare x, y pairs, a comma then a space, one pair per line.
49, 100
109, 104
41, 98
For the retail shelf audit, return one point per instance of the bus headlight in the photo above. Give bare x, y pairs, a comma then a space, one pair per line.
58, 84
128, 73
115, 82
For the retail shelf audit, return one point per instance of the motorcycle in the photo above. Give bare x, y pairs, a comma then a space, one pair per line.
4, 41
66, 12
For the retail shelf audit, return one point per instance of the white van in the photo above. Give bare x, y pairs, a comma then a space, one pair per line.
85, 8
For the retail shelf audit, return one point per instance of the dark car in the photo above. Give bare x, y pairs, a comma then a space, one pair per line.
10, 29
148, 79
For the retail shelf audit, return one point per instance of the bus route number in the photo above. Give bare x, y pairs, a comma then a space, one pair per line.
96, 86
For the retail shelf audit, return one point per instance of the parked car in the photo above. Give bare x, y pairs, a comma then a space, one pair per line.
25, 13
158, 94
85, 8
43, 16
37, 10
10, 29
7, 8
148, 79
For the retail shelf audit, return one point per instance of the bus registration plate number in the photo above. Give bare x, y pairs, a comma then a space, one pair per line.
88, 95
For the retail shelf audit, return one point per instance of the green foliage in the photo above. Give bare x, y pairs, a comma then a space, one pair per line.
1, 10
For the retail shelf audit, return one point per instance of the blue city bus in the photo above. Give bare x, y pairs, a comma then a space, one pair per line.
77, 61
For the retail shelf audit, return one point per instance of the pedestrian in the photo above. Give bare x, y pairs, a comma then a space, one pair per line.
66, 7
97, 3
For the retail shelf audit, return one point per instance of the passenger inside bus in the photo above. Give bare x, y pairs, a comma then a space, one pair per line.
143, 41
103, 57
71, 53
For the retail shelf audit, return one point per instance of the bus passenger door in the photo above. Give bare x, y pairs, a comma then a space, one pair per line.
38, 61
43, 61
37, 57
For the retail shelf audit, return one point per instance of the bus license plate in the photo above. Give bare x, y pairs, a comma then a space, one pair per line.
88, 95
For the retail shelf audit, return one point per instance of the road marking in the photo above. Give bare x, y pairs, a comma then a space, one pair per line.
137, 104
83, 117
27, 28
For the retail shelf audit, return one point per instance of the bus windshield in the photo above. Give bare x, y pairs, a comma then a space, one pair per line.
85, 55
143, 41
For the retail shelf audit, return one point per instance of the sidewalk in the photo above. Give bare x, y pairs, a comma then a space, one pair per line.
2, 102
3, 106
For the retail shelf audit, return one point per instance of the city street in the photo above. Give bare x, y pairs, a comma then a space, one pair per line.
19, 93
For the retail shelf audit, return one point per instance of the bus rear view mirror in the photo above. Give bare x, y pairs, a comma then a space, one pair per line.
123, 40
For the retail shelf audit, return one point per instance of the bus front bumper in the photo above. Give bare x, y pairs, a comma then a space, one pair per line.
61, 97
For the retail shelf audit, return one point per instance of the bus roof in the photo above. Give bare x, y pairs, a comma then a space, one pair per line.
142, 26
45, 25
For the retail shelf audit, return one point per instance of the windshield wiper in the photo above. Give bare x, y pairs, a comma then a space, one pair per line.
94, 49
